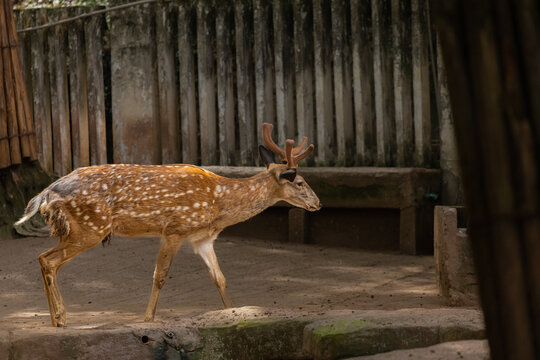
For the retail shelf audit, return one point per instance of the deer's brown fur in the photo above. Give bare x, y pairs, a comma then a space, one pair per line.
177, 202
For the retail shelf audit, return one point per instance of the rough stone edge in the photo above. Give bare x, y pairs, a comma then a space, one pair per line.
260, 338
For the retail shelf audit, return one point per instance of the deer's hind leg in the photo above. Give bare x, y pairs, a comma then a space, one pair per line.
52, 260
167, 251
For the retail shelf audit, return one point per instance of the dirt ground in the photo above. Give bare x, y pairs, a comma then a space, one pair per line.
110, 286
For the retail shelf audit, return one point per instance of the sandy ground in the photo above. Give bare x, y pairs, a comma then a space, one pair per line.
110, 286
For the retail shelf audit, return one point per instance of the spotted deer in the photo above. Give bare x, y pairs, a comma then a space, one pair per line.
176, 202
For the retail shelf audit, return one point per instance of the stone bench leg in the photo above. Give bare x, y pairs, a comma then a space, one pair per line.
298, 226
416, 230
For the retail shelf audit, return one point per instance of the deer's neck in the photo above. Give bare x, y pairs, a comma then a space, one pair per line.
241, 199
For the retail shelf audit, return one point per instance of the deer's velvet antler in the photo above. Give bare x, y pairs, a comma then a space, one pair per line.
291, 155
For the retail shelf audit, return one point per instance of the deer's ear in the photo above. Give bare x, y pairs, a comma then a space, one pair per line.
289, 174
266, 155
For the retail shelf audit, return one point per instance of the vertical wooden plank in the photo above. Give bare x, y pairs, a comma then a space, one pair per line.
21, 99
188, 110
284, 62
382, 72
5, 151
168, 93
401, 35
96, 91
9, 92
264, 65
207, 81
362, 57
24, 19
41, 93
420, 78
342, 83
78, 95
244, 82
59, 95
303, 55
225, 83
135, 99
324, 98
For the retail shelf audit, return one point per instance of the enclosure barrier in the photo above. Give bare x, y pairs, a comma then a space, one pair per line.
192, 81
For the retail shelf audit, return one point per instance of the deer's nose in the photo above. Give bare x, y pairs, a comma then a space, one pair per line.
320, 204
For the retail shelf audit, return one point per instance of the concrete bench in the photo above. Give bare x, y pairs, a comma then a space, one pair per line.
411, 191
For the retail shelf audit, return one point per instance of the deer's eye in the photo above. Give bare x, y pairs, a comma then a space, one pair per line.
299, 184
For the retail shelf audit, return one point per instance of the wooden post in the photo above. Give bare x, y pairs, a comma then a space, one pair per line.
382, 62
420, 78
303, 56
188, 94
207, 82
362, 55
342, 84
167, 84
401, 32
491, 52
59, 95
244, 82
41, 94
284, 62
78, 93
135, 98
225, 83
324, 104
96, 93
264, 65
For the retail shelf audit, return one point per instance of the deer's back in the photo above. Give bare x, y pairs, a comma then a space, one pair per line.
135, 200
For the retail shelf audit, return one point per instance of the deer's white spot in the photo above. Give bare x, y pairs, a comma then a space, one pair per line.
253, 187
86, 217
103, 218
73, 203
183, 217
207, 189
196, 205
85, 192
218, 188
161, 176
78, 210
189, 192
157, 212
153, 185
104, 186
90, 223
94, 227
228, 191
185, 208
204, 203
188, 220
137, 188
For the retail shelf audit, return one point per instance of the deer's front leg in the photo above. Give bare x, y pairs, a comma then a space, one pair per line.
168, 250
206, 251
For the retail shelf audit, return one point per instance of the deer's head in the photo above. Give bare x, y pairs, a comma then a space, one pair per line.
291, 186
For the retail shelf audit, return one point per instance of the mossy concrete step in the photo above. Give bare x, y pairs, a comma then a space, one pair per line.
338, 335
452, 350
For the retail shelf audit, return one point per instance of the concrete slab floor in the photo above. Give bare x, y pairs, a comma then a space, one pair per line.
112, 284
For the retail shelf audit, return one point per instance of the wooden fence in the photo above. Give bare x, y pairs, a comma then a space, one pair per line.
192, 81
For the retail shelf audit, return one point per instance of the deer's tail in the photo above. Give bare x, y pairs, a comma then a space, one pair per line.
32, 208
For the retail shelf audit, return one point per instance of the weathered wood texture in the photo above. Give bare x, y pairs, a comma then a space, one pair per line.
193, 80
65, 86
17, 136
491, 52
